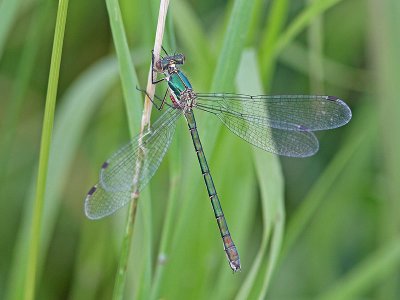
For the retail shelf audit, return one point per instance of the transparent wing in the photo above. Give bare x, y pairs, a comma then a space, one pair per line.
119, 175
100, 203
278, 124
289, 112
294, 142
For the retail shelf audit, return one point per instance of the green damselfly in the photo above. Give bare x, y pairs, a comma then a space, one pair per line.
279, 124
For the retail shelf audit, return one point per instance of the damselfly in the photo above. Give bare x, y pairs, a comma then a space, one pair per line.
279, 124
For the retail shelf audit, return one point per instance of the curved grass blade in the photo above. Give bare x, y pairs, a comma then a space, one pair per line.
72, 118
44, 155
363, 132
315, 9
271, 183
117, 175
374, 270
296, 57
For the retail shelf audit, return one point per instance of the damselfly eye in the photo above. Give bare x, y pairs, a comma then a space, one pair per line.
158, 65
179, 59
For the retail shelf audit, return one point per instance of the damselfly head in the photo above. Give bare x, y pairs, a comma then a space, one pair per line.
165, 63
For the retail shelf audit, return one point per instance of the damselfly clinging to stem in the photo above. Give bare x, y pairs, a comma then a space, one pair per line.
279, 124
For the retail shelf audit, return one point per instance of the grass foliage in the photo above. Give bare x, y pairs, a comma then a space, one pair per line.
324, 227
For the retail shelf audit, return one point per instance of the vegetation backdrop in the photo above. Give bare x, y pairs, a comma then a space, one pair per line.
324, 227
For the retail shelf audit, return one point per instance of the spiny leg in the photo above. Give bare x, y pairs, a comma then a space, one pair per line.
163, 100
165, 51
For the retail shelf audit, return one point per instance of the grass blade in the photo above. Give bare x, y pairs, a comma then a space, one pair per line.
8, 14
270, 180
379, 266
188, 28
72, 119
316, 195
128, 75
296, 57
45, 149
276, 20
315, 41
313, 10
233, 45
386, 63
132, 102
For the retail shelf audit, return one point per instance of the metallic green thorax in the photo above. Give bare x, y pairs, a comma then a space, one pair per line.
178, 82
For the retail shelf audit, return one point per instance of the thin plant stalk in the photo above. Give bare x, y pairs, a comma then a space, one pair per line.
175, 177
315, 40
316, 8
162, 15
271, 187
45, 149
127, 240
274, 27
128, 76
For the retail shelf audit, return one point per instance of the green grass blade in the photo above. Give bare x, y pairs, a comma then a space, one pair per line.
257, 19
276, 20
270, 179
233, 45
275, 40
8, 14
357, 139
317, 8
133, 108
386, 63
72, 118
379, 266
45, 149
240, 202
129, 80
296, 56
189, 29
315, 41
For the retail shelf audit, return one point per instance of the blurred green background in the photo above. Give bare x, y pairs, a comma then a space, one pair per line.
328, 228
